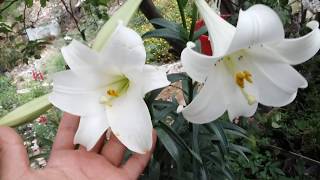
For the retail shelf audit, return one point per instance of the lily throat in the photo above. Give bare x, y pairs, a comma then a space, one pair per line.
115, 89
241, 77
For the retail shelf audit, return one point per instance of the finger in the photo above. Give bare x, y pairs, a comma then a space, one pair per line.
97, 148
114, 151
13, 155
67, 129
137, 162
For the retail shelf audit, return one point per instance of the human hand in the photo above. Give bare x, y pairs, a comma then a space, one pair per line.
103, 162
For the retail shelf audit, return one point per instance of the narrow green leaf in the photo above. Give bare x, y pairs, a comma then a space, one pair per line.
216, 128
181, 6
236, 133
198, 169
170, 146
201, 31
228, 173
179, 140
4, 28
43, 3
184, 3
178, 122
160, 115
166, 24
27, 112
231, 126
124, 14
176, 77
29, 3
194, 20
164, 33
240, 150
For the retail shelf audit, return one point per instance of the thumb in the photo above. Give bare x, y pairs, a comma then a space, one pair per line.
13, 155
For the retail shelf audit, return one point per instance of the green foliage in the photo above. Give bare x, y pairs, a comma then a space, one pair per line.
9, 99
5, 28
8, 96
191, 151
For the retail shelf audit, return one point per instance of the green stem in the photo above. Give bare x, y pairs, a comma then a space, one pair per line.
194, 20
183, 18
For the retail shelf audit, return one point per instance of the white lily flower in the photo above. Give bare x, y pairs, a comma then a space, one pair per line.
250, 65
107, 88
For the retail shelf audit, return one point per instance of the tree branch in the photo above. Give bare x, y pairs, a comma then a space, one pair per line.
71, 13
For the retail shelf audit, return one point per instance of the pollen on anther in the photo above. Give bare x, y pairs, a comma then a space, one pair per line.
248, 76
112, 92
241, 76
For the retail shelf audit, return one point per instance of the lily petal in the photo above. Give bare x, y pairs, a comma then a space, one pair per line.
282, 75
210, 103
130, 121
220, 31
79, 56
270, 92
124, 49
299, 50
153, 78
74, 94
257, 25
90, 129
77, 103
84, 80
195, 64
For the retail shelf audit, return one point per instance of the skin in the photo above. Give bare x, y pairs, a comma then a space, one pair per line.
103, 162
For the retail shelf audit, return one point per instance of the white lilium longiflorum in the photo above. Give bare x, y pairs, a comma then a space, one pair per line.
251, 64
107, 88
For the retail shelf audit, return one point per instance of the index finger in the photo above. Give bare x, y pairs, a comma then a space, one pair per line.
67, 129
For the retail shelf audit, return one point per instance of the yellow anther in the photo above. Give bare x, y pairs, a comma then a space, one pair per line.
112, 92
248, 76
241, 76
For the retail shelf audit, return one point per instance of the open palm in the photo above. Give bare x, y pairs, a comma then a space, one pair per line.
101, 163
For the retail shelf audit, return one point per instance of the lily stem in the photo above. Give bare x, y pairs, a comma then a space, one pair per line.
181, 10
194, 20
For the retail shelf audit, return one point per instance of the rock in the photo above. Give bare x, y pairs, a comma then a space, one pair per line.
173, 67
50, 30
311, 5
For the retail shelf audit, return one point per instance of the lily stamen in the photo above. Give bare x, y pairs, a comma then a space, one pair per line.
112, 92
